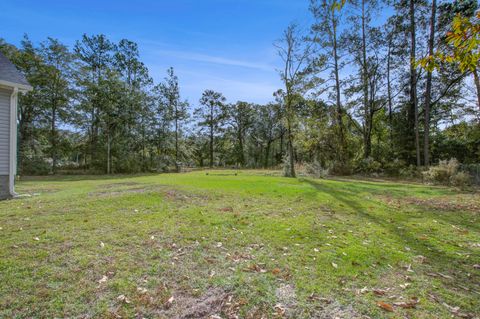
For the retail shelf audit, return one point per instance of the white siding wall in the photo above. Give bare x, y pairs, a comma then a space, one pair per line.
4, 131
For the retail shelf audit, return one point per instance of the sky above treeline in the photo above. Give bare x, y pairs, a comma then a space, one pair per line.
223, 45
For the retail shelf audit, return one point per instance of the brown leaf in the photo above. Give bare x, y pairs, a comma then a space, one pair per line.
276, 271
123, 298
445, 276
169, 302
255, 268
103, 280
379, 292
280, 309
410, 304
314, 297
385, 306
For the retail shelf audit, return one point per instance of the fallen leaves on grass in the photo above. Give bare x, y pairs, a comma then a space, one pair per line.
439, 274
420, 259
124, 299
385, 306
141, 290
407, 305
314, 297
255, 268
238, 257
279, 309
375, 291
405, 285
103, 280
379, 292
276, 271
456, 311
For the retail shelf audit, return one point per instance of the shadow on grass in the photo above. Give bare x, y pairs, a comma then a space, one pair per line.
439, 260
390, 188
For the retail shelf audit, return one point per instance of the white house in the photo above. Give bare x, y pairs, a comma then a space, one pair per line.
11, 82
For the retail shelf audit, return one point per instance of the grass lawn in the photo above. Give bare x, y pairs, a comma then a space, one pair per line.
252, 245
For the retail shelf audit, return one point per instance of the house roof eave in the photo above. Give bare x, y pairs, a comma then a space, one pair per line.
20, 87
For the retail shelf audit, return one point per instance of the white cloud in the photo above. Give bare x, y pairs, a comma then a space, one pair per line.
198, 57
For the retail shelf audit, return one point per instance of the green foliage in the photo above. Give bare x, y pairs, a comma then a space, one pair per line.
316, 170
464, 39
95, 108
395, 168
461, 180
35, 165
368, 166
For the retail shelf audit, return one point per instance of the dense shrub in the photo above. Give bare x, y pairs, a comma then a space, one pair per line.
394, 168
473, 170
411, 172
461, 179
447, 173
340, 168
315, 170
368, 166
35, 166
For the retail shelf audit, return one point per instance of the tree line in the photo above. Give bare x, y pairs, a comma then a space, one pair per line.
358, 95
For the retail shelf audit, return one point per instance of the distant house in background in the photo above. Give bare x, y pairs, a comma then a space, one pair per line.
11, 82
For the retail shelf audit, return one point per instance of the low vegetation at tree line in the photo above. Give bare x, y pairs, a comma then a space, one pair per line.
410, 98
246, 244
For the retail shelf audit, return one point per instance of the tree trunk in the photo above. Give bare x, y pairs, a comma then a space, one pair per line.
291, 153
54, 139
389, 93
240, 144
281, 145
413, 82
211, 143
428, 92
108, 153
267, 154
177, 167
477, 85
367, 126
337, 88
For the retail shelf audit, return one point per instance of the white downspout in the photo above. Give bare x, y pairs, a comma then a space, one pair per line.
13, 141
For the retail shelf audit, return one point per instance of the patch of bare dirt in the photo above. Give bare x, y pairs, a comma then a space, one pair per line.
214, 303
184, 197
115, 185
118, 192
335, 310
287, 300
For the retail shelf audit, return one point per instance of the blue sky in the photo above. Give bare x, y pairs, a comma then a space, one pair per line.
224, 45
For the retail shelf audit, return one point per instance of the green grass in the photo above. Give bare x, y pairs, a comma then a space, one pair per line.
228, 244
